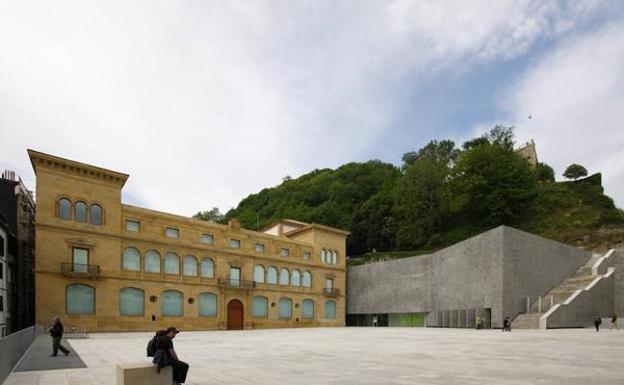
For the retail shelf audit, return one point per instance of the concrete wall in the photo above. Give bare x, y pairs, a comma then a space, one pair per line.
533, 265
463, 276
618, 285
12, 348
497, 270
580, 309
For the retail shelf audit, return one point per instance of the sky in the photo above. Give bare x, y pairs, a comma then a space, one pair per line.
205, 102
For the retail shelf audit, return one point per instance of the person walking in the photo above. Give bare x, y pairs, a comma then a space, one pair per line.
180, 368
56, 332
614, 323
597, 322
479, 323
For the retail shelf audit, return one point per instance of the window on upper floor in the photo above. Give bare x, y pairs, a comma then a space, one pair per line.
1, 246
259, 274
131, 259
132, 225
64, 209
307, 255
235, 243
207, 239
190, 266
172, 264
284, 252
152, 261
259, 247
172, 232
207, 268
271, 275
80, 212
95, 214
307, 279
1, 270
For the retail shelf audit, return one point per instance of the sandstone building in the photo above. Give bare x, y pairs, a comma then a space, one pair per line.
108, 266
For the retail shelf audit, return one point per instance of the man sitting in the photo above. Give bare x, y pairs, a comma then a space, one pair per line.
165, 344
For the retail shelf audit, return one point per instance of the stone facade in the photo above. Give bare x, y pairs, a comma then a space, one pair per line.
231, 248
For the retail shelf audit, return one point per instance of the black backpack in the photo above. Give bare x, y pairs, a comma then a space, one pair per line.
152, 345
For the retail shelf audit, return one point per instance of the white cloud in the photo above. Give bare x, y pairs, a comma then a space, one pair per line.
576, 99
205, 102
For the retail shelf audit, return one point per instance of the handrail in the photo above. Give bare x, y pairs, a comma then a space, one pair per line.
236, 283
80, 269
331, 292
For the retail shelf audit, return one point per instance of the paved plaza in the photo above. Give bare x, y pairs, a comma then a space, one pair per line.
361, 356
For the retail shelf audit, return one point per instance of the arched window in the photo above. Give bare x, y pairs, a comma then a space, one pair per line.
131, 259
64, 208
260, 307
172, 264
95, 214
152, 262
323, 255
80, 212
330, 310
285, 308
207, 268
131, 301
190, 266
272, 275
295, 278
259, 273
308, 309
334, 257
171, 303
208, 305
79, 299
284, 277
307, 279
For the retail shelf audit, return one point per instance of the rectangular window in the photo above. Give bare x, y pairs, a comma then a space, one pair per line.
1, 271
235, 243
306, 255
1, 303
1, 246
329, 284
284, 252
207, 239
235, 276
133, 225
172, 232
259, 247
80, 259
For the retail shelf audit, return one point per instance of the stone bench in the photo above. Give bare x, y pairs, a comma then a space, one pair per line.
143, 373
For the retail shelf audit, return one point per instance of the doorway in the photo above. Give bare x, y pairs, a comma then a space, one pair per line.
235, 315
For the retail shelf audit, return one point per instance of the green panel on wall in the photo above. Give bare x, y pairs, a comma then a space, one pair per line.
406, 320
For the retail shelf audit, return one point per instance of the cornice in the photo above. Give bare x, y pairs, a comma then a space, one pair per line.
39, 159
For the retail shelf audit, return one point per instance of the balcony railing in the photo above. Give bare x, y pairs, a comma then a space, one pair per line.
236, 283
331, 292
80, 270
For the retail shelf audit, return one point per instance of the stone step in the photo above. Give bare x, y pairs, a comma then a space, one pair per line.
526, 321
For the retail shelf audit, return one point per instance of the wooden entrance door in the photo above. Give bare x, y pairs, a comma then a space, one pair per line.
235, 315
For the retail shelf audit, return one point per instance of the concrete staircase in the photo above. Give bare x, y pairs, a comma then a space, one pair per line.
585, 275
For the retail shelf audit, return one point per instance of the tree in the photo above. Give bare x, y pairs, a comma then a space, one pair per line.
544, 173
499, 135
213, 215
575, 171
420, 197
492, 185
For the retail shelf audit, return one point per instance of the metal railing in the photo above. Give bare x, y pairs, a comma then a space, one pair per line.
540, 304
331, 292
80, 270
236, 283
69, 331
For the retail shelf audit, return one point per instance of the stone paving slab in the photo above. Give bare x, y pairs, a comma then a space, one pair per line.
362, 356
38, 357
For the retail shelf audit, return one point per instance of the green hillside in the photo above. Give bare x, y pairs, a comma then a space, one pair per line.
440, 195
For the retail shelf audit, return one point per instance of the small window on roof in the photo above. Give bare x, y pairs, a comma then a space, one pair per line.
284, 252
132, 225
207, 239
306, 255
172, 232
235, 243
259, 247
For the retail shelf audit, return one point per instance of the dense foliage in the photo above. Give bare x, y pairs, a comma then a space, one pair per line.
575, 171
441, 194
